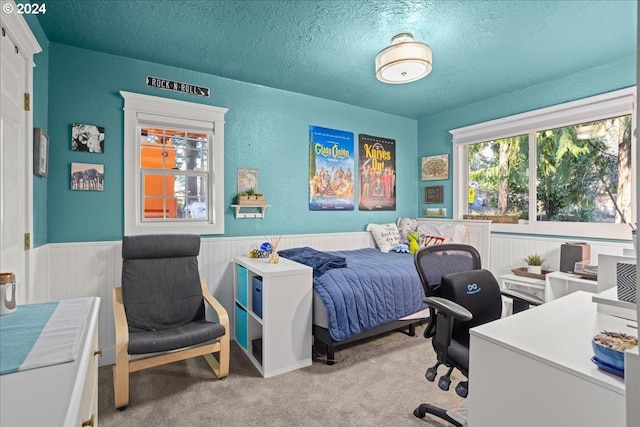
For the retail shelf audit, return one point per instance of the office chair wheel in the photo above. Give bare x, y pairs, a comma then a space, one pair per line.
432, 372
462, 389
444, 382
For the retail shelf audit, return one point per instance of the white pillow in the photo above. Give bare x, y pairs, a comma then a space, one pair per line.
457, 233
386, 236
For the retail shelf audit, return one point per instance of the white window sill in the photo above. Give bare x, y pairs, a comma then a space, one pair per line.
574, 231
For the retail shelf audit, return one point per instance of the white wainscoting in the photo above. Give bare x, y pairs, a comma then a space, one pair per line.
509, 251
36, 290
73, 270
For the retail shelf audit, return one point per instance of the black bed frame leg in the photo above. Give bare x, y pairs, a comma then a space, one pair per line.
412, 330
330, 354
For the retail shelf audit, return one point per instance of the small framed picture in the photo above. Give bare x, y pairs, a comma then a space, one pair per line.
433, 194
88, 138
435, 167
247, 179
87, 176
439, 212
40, 152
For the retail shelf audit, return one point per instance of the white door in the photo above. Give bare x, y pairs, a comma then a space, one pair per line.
13, 160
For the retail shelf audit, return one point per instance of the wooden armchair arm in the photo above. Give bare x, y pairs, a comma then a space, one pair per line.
223, 317
121, 325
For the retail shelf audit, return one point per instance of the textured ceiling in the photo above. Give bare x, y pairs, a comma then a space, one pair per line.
327, 48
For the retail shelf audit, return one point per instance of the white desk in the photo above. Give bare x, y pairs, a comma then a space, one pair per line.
534, 368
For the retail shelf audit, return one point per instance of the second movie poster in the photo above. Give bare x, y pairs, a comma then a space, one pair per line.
377, 158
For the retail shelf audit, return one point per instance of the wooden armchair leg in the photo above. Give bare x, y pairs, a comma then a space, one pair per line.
121, 384
220, 366
224, 357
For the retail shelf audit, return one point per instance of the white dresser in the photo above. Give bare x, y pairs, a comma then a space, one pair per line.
65, 394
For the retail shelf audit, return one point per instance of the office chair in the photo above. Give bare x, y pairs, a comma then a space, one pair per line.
431, 266
159, 311
461, 300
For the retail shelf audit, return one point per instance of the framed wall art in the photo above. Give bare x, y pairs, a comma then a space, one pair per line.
247, 179
40, 152
435, 167
433, 194
439, 212
87, 176
88, 138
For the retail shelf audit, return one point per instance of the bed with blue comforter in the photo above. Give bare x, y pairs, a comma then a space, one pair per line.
362, 289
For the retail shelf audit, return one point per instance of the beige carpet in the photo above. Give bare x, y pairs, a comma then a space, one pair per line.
376, 382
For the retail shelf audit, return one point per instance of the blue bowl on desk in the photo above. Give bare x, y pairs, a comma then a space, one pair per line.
608, 356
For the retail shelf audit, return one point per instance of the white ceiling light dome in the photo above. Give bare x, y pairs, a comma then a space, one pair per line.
404, 61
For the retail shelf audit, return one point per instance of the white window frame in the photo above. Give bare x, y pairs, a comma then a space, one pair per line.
171, 113
612, 104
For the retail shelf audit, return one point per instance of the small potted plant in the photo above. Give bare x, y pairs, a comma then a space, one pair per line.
242, 197
259, 196
534, 264
251, 193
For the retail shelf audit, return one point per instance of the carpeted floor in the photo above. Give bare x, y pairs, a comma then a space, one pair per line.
376, 382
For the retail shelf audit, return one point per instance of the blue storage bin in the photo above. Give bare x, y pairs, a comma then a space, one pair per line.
257, 296
241, 285
241, 326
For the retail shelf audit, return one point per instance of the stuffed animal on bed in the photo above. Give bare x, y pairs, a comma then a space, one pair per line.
405, 226
413, 242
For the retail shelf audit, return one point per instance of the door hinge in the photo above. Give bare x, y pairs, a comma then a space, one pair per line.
27, 241
27, 102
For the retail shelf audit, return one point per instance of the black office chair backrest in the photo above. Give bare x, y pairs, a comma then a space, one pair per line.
433, 262
477, 291
161, 281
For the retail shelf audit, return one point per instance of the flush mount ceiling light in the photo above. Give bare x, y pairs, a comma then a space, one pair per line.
404, 61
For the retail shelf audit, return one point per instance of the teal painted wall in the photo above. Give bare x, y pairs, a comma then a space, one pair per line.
40, 106
433, 131
265, 128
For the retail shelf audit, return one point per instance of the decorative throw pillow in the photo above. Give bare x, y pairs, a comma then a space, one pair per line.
431, 240
386, 236
457, 233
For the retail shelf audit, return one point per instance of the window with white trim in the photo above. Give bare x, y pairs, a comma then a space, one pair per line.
174, 166
557, 169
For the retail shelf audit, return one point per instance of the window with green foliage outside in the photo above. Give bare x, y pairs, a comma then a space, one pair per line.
576, 173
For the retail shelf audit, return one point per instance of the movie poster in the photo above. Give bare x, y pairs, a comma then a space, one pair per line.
331, 173
377, 173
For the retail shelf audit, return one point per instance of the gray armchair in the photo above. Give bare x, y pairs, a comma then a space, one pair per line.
159, 311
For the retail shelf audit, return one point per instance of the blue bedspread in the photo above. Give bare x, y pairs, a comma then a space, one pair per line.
375, 289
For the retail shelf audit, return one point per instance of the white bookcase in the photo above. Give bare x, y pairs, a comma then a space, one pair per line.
273, 326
